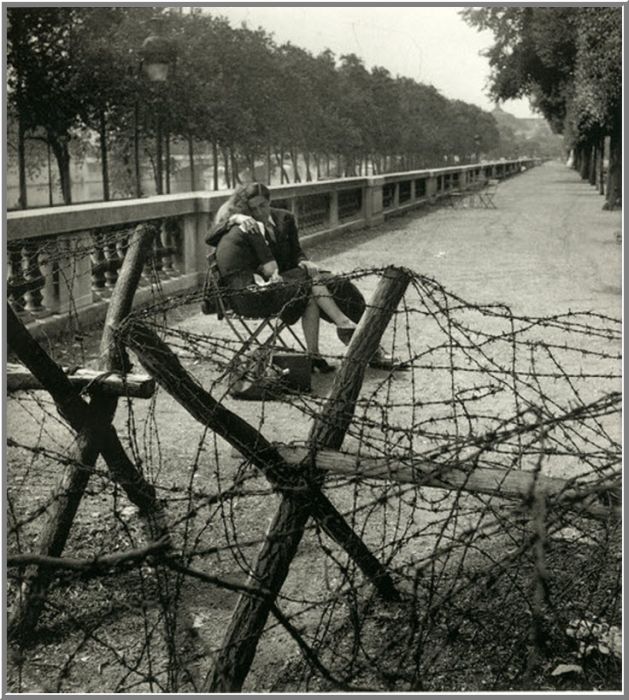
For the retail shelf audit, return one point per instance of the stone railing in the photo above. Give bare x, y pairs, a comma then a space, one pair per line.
63, 261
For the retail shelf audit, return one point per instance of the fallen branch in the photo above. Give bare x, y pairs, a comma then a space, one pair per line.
97, 564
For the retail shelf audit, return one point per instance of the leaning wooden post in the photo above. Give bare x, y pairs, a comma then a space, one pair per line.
250, 614
159, 361
69, 491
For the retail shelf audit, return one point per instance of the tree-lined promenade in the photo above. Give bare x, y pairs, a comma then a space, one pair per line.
569, 62
76, 83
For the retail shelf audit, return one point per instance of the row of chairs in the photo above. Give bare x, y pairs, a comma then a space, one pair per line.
477, 195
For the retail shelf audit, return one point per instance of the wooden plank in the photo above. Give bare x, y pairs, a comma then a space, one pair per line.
140, 386
513, 485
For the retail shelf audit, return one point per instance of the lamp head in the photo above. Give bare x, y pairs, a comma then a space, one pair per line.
157, 56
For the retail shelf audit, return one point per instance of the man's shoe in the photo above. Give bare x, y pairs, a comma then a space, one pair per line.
382, 360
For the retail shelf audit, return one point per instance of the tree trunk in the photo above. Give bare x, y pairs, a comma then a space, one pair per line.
159, 158
307, 161
136, 149
103, 154
50, 197
21, 163
215, 164
251, 161
227, 172
593, 163
327, 165
601, 166
614, 175
60, 149
269, 165
234, 161
318, 165
293, 157
584, 168
576, 161
167, 159
191, 161
280, 161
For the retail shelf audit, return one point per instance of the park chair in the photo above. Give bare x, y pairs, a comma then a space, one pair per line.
486, 194
263, 354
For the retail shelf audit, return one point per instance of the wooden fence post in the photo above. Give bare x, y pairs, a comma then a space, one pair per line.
250, 615
70, 489
95, 435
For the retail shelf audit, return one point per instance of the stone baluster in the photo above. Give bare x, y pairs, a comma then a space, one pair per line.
15, 278
49, 255
170, 232
112, 261
158, 251
396, 196
194, 253
153, 266
373, 208
99, 264
34, 279
122, 243
75, 271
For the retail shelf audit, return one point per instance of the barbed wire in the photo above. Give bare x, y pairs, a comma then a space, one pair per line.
483, 473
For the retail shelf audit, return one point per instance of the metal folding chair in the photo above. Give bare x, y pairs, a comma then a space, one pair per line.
258, 338
486, 194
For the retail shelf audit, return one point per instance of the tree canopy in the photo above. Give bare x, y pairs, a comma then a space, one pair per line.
75, 71
569, 62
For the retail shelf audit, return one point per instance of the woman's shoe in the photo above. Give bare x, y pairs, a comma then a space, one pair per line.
345, 334
320, 365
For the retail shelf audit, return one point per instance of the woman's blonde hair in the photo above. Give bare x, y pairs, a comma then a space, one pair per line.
238, 203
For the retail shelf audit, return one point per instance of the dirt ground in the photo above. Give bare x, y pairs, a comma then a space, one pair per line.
547, 249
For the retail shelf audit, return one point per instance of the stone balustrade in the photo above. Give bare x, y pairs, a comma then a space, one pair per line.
63, 261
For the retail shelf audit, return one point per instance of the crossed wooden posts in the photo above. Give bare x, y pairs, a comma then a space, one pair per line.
95, 435
301, 495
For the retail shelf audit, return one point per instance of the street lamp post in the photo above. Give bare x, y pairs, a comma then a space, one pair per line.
477, 141
157, 57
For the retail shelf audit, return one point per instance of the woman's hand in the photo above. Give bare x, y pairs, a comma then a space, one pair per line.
311, 268
270, 271
246, 223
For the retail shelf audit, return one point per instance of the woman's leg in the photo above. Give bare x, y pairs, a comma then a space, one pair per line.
326, 303
310, 325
